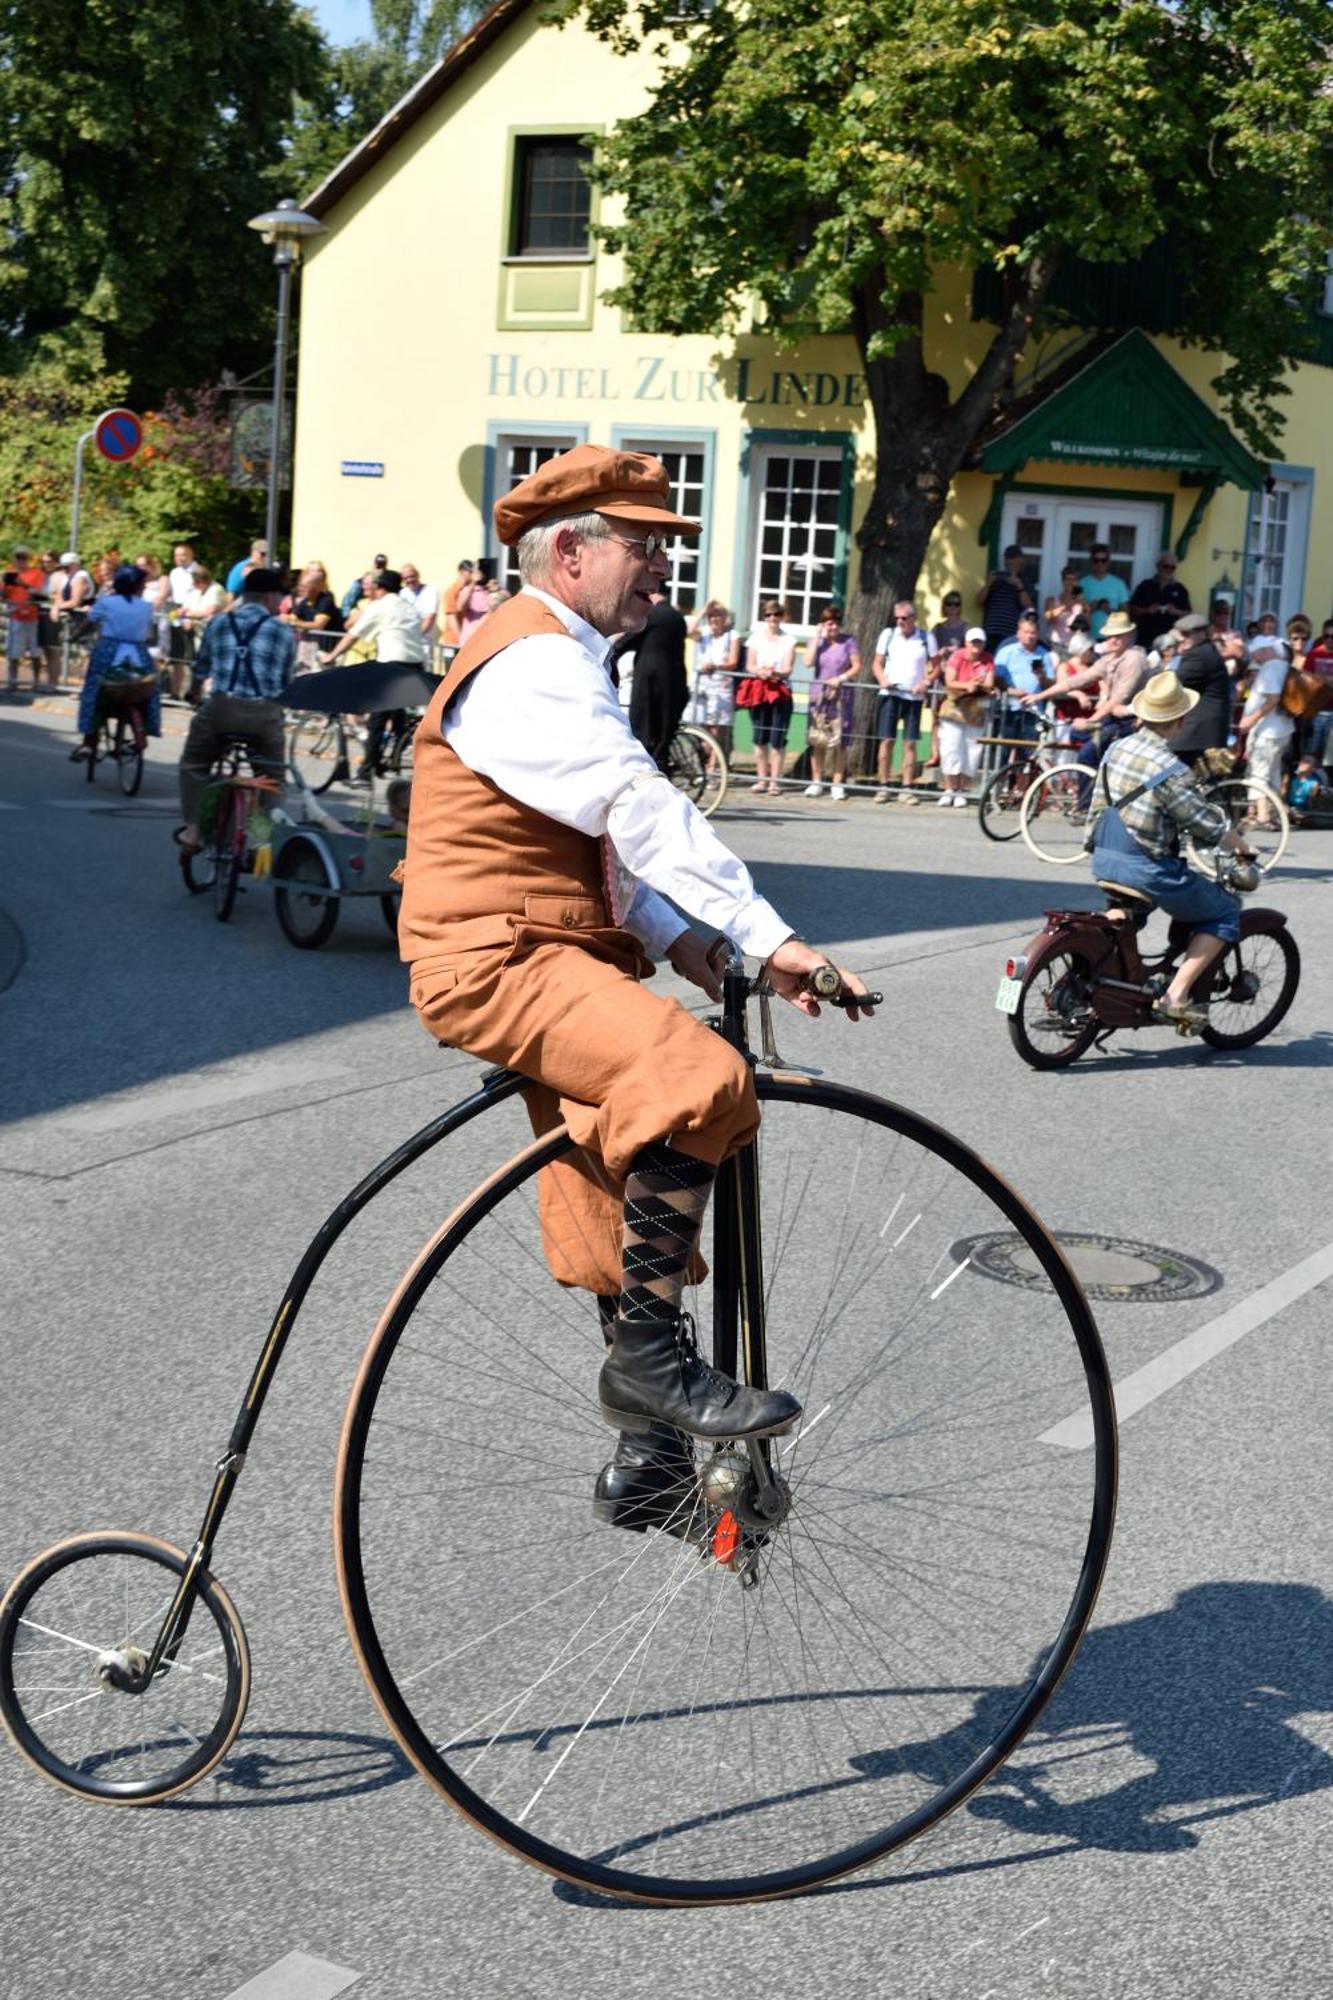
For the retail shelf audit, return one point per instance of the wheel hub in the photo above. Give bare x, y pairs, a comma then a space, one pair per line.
739, 1517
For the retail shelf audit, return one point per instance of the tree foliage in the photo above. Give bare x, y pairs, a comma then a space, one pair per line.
828, 157
177, 484
133, 149
360, 82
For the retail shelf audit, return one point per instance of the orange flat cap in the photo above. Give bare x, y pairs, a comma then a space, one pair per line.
592, 479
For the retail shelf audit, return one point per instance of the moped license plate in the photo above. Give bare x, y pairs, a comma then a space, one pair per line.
1007, 999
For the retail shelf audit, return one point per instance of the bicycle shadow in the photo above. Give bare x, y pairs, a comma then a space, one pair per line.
302, 1767
1164, 1723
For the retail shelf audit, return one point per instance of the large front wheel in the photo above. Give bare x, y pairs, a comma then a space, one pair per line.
735, 1703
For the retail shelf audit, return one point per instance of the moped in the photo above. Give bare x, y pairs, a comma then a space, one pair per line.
1084, 975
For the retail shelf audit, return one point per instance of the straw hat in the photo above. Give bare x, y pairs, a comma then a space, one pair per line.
1118, 626
1164, 699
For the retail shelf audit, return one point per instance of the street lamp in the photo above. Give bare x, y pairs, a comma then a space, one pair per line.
286, 228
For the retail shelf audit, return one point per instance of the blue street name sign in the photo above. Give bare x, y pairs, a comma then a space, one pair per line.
363, 468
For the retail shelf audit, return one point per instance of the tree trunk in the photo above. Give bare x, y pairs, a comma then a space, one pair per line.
921, 440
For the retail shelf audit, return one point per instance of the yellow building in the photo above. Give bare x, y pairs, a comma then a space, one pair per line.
453, 335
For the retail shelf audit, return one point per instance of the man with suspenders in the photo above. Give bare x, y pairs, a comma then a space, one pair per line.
247, 657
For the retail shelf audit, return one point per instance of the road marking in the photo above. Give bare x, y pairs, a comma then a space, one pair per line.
1146, 1384
298, 1976
169, 1100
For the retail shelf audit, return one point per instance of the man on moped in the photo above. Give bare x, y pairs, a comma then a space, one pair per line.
1145, 799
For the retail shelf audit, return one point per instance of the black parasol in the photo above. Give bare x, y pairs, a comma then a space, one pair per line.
362, 690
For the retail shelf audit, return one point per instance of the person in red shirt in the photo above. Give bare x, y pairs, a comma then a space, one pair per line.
22, 586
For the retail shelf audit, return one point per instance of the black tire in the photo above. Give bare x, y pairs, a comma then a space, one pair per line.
317, 751
389, 906
1270, 962
748, 1750
1054, 1024
228, 851
399, 759
98, 1740
129, 754
1002, 799
199, 869
307, 916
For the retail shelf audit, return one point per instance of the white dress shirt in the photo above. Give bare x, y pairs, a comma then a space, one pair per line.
544, 723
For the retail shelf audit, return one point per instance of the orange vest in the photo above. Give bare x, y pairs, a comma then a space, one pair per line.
477, 861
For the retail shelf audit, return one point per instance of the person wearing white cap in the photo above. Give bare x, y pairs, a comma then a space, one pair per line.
1146, 799
969, 681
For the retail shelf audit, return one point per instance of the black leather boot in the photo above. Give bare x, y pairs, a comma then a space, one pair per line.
650, 1483
654, 1373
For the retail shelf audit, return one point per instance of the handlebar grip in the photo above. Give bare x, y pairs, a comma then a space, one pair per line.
825, 982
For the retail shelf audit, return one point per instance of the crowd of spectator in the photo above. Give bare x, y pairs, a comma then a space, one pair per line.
932, 697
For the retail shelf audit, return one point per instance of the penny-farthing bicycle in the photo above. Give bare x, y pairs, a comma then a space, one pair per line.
831, 1641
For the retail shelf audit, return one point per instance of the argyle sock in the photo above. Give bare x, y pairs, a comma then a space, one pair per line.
666, 1193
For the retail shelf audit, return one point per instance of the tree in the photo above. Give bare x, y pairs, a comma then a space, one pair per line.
829, 157
133, 150
361, 81
177, 484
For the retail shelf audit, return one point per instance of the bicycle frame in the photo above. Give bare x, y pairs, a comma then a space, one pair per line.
738, 1292
738, 1287
496, 1085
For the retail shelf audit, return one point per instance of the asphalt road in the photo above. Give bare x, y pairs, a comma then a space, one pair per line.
184, 1103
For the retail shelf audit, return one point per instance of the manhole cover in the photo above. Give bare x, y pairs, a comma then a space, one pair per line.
1107, 1267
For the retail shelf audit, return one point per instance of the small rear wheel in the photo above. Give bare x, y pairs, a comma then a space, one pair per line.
1249, 989
76, 1629
1055, 1021
1055, 811
308, 912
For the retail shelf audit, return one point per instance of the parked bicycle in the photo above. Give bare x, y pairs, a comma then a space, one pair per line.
1057, 804
320, 749
121, 730
697, 767
828, 1646
235, 815
1005, 789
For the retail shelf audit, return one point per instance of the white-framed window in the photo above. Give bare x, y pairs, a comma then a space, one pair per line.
686, 467
797, 500
1054, 531
1276, 546
516, 458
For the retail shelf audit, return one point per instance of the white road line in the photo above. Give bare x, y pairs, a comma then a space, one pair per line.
298, 1976
1146, 1384
169, 1100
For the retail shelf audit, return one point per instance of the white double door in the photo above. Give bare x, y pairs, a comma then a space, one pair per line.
1055, 530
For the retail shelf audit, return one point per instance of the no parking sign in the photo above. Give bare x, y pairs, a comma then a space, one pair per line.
118, 435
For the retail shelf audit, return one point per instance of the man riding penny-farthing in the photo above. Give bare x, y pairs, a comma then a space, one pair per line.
542, 842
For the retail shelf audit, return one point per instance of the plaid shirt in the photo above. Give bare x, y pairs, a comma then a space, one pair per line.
1156, 819
272, 653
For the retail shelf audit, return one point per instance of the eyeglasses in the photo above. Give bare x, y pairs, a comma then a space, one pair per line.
652, 545
909, 617
1101, 558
